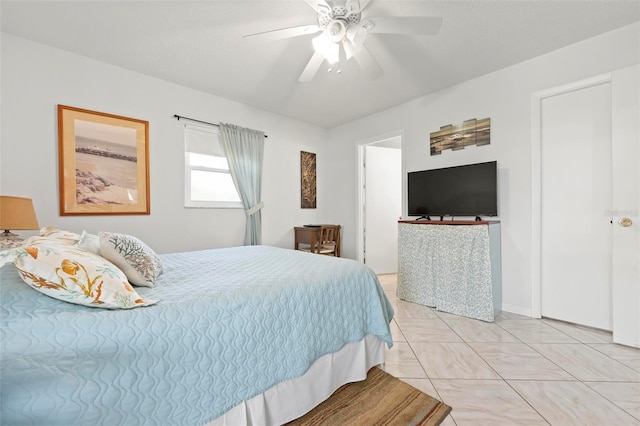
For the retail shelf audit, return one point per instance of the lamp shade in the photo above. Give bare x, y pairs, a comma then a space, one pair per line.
17, 213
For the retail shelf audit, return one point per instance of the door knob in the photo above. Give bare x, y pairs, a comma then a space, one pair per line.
625, 222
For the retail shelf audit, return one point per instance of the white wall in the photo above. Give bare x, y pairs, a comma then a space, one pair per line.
36, 78
383, 206
505, 97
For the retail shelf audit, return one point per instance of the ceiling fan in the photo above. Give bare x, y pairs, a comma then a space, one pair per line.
344, 28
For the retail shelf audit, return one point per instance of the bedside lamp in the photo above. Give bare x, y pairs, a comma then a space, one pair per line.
18, 214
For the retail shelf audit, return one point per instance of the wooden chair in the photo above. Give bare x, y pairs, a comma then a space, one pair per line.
327, 241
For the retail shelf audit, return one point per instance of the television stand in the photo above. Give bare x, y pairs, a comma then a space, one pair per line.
454, 268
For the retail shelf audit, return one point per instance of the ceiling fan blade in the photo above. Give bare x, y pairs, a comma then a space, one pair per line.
406, 25
283, 33
364, 4
314, 4
352, 6
312, 68
366, 61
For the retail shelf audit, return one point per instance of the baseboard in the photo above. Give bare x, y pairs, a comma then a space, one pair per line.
506, 307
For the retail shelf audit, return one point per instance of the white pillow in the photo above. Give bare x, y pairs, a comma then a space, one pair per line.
137, 260
89, 242
76, 276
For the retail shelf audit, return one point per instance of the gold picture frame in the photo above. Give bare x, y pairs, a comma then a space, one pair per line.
103, 163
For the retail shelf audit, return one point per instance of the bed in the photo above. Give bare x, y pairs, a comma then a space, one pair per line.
245, 335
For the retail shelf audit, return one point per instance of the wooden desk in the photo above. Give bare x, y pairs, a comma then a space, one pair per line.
310, 235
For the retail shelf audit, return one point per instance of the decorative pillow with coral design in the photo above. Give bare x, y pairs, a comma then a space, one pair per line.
136, 259
76, 276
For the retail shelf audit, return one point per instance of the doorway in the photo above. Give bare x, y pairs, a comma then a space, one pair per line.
380, 203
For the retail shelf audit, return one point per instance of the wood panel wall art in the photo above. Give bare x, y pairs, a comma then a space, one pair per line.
470, 132
308, 180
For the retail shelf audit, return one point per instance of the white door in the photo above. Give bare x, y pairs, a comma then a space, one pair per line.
576, 205
626, 206
383, 207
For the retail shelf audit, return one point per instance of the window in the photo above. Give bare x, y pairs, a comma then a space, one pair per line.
208, 182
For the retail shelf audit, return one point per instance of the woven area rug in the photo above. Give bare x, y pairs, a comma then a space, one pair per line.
381, 399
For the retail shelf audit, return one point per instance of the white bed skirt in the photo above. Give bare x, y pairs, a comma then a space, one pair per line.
289, 400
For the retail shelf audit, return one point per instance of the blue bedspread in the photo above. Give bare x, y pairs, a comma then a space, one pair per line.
230, 324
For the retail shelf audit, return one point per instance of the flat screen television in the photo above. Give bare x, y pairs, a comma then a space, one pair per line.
469, 190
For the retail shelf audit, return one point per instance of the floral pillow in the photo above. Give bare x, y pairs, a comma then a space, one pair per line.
137, 260
62, 236
51, 234
76, 276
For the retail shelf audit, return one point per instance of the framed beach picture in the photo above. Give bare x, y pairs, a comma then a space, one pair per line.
103, 163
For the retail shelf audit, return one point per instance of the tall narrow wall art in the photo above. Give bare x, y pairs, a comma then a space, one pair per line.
307, 180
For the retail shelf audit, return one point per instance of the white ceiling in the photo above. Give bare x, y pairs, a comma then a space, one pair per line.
201, 45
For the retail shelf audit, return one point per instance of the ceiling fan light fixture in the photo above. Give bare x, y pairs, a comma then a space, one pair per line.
328, 49
336, 30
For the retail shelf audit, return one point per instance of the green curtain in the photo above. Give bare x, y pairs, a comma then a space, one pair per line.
244, 149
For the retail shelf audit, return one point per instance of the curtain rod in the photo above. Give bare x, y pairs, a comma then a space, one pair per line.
178, 117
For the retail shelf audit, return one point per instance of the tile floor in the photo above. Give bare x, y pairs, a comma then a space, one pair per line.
514, 371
